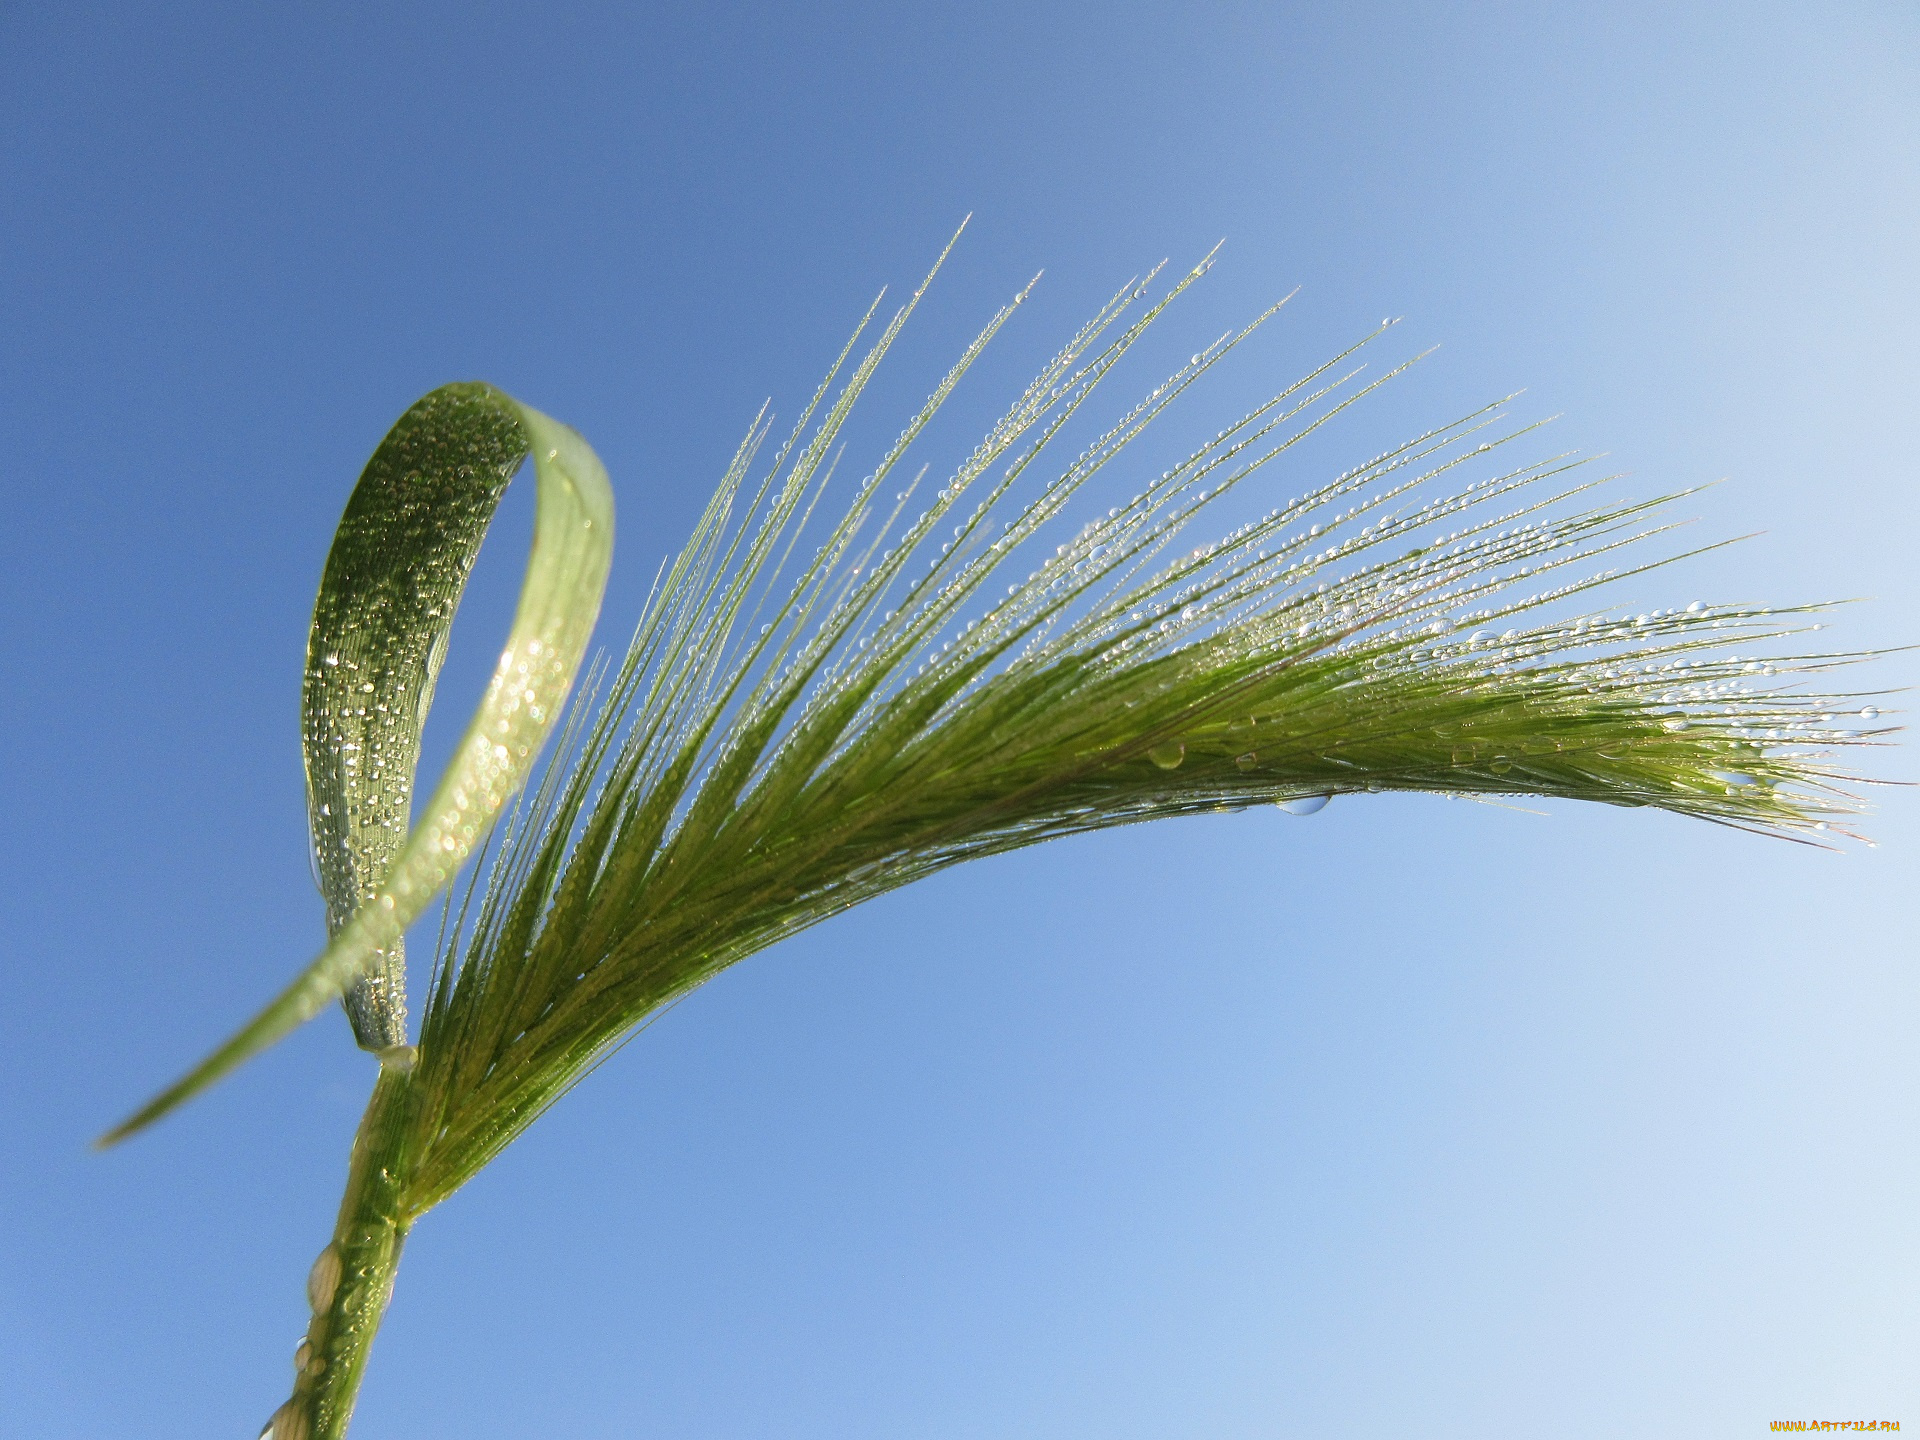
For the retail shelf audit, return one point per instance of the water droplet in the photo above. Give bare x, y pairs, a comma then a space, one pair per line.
323, 1279
302, 1356
1500, 765
287, 1423
1303, 804
1695, 607
1246, 761
1193, 360
1678, 723
1169, 755
1870, 713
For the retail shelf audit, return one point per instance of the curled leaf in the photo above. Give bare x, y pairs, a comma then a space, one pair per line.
392, 582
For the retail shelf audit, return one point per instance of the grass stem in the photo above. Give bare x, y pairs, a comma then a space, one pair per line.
351, 1282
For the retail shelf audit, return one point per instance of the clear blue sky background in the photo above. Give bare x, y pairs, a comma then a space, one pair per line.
1411, 1119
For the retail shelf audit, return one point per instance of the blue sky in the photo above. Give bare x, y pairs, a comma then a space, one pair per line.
1411, 1118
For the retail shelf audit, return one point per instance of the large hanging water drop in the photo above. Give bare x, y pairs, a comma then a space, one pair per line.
1304, 804
1169, 755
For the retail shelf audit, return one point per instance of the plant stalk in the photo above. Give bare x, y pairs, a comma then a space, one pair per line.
352, 1280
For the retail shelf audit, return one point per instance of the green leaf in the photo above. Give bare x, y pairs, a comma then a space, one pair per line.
392, 582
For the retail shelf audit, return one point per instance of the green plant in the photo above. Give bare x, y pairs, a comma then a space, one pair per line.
794, 730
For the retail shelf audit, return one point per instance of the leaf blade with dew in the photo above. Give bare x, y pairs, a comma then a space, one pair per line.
857, 748
387, 599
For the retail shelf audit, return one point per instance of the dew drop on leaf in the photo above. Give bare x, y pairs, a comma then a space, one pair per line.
1169, 755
